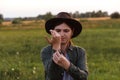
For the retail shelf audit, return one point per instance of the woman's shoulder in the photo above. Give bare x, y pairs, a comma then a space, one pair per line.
46, 48
80, 49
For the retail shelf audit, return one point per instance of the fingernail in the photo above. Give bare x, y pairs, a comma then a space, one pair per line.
51, 30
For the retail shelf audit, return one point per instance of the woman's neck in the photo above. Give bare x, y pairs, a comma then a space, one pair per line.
64, 47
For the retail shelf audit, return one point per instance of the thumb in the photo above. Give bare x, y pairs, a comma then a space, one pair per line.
62, 54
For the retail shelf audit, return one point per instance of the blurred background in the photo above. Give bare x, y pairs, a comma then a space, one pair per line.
22, 36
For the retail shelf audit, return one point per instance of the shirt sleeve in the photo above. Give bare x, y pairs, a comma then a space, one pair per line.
51, 68
79, 71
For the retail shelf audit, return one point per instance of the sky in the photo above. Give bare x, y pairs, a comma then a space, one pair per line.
32, 8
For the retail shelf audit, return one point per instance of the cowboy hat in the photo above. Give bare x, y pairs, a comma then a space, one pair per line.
64, 17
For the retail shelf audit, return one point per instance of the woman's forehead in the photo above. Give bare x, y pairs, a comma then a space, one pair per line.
62, 26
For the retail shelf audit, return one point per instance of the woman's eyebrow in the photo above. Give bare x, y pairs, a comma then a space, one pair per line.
57, 29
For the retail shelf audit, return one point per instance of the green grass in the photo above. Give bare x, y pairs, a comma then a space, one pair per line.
103, 48
20, 52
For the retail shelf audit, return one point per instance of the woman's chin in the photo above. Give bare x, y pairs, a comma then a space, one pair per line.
64, 42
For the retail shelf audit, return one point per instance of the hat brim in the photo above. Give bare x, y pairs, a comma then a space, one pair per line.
50, 24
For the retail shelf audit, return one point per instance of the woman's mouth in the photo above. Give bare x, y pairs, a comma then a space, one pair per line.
62, 39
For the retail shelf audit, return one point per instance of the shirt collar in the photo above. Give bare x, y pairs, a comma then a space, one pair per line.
70, 47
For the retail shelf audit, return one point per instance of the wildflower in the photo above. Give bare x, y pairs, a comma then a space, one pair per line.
34, 68
12, 69
18, 78
34, 71
17, 53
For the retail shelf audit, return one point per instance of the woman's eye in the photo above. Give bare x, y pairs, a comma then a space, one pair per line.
58, 30
66, 30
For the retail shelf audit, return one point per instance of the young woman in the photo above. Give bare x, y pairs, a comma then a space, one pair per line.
62, 60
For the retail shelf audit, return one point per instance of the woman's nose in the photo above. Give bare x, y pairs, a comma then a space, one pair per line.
62, 33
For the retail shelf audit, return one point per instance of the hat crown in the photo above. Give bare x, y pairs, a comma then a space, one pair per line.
63, 15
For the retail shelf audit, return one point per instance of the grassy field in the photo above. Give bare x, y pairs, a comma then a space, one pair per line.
20, 47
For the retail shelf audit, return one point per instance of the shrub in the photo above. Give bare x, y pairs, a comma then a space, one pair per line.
17, 21
115, 15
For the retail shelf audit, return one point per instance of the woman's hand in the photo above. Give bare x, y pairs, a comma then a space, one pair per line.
61, 60
55, 40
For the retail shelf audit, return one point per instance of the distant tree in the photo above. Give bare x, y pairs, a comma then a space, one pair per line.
94, 14
105, 14
1, 18
39, 17
17, 21
25, 18
115, 15
82, 15
76, 14
88, 14
99, 13
47, 16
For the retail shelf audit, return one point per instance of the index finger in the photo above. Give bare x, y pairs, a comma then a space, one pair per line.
58, 53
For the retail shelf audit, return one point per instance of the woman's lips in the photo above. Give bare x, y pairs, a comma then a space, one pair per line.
62, 39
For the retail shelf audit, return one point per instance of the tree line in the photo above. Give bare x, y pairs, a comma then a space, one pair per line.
76, 14
83, 15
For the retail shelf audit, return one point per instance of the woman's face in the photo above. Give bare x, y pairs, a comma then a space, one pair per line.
65, 32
